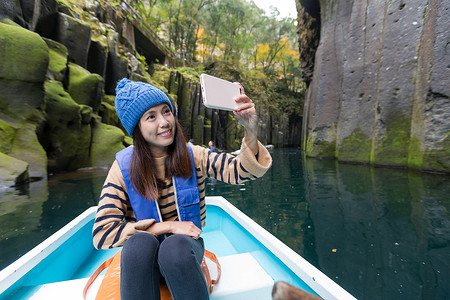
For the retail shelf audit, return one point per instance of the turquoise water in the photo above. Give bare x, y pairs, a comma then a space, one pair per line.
379, 233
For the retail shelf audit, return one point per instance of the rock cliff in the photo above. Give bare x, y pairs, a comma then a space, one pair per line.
381, 83
59, 64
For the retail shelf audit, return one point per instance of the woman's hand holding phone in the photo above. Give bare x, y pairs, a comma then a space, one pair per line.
245, 113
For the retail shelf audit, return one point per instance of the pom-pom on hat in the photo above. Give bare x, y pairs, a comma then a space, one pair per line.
133, 98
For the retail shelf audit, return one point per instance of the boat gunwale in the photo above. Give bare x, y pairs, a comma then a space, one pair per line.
19, 268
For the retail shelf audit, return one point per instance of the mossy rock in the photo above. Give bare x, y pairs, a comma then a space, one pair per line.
58, 102
9, 22
128, 141
355, 148
172, 82
26, 147
86, 114
438, 159
98, 57
116, 69
415, 155
24, 55
233, 133
391, 149
20, 99
84, 87
107, 140
197, 133
12, 170
7, 135
318, 147
185, 104
76, 36
57, 67
143, 78
65, 138
108, 114
109, 99
207, 136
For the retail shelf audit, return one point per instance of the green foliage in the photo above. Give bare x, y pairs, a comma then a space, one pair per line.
237, 36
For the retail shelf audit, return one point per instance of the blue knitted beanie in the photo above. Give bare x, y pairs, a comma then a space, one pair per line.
133, 98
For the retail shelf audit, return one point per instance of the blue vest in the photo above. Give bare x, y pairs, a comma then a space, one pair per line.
187, 196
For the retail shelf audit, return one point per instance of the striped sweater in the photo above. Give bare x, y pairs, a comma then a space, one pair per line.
115, 220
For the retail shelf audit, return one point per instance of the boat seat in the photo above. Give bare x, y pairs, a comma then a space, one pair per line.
67, 290
242, 278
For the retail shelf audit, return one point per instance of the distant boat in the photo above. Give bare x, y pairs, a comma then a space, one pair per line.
251, 259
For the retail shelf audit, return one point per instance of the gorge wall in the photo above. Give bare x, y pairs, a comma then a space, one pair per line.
380, 87
59, 64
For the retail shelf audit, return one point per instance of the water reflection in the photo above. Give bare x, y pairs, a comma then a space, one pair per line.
29, 216
379, 233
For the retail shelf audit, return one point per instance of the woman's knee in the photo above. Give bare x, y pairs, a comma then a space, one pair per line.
142, 246
180, 249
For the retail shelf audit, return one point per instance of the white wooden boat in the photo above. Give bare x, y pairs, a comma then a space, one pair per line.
251, 258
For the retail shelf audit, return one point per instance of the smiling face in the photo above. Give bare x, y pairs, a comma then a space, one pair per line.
158, 128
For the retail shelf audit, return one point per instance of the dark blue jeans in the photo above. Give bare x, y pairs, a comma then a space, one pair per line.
177, 259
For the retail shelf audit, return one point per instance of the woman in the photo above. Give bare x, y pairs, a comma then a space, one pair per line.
153, 199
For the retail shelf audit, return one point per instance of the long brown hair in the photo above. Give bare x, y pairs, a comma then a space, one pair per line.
142, 170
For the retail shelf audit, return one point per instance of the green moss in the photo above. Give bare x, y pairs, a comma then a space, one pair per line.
7, 135
58, 59
190, 73
171, 81
55, 93
99, 36
145, 78
108, 114
86, 113
234, 133
109, 99
392, 148
185, 103
415, 157
355, 148
84, 87
197, 133
20, 99
9, 22
320, 148
24, 55
128, 141
207, 131
26, 147
66, 139
107, 140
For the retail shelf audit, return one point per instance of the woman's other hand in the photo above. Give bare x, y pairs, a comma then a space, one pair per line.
176, 227
186, 228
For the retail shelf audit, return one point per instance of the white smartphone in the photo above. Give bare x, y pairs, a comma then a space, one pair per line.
218, 93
